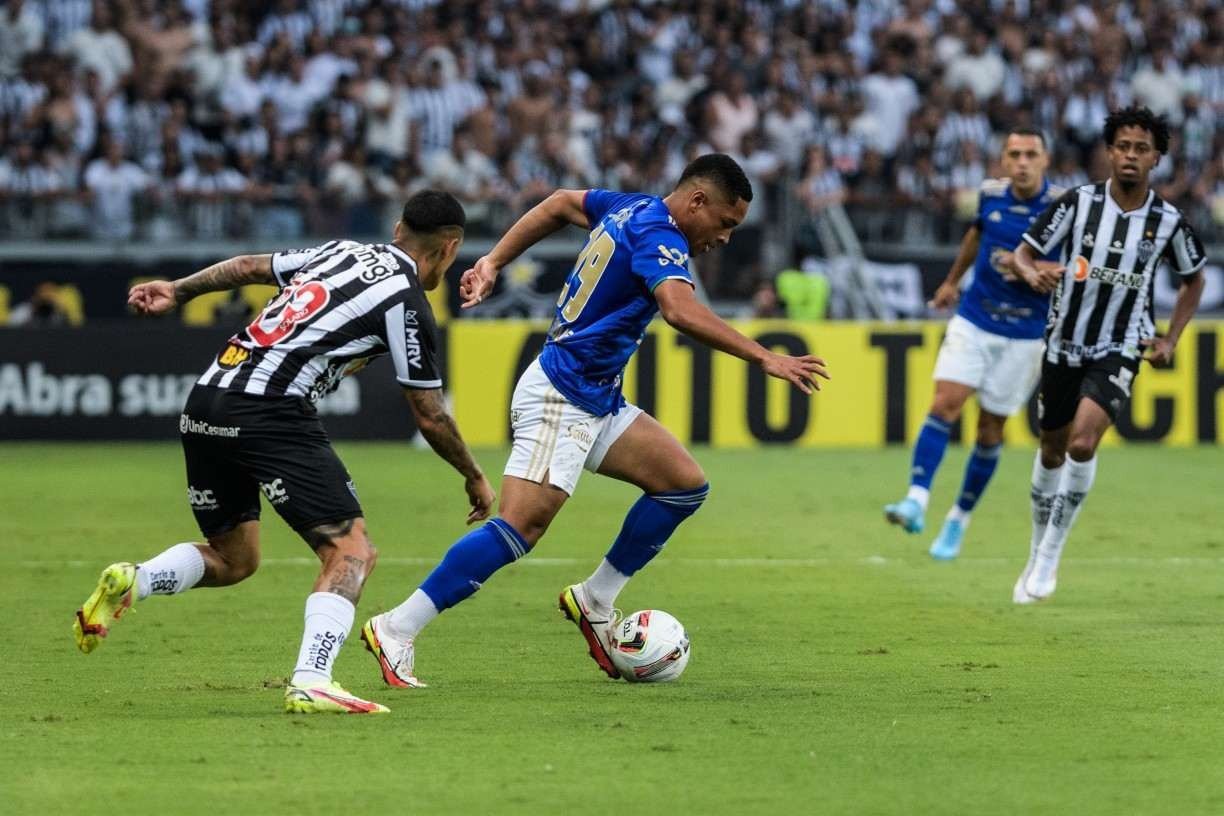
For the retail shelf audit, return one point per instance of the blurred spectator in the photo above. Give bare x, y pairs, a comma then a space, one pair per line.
26, 188
44, 309
100, 48
210, 191
21, 33
891, 97
112, 184
732, 114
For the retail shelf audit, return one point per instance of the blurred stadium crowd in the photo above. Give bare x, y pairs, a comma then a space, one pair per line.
160, 120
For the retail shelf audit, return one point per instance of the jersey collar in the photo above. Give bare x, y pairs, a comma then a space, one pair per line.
403, 256
1109, 199
1045, 185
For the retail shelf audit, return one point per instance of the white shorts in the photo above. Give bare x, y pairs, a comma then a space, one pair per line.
554, 437
1002, 369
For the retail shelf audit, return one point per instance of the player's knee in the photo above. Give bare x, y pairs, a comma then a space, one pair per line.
989, 432
242, 567
1082, 447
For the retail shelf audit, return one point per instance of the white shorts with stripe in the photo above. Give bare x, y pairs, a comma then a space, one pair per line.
556, 439
1003, 370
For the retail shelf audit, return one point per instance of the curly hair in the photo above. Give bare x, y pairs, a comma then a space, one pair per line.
1142, 117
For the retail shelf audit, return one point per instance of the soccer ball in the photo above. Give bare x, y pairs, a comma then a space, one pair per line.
649, 646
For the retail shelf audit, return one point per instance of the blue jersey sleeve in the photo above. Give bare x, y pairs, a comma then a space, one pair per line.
661, 254
598, 203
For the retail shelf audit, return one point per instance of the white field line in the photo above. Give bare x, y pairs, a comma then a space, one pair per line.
790, 563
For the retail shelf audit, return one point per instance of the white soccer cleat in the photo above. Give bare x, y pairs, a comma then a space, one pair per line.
1042, 580
396, 658
1019, 594
576, 605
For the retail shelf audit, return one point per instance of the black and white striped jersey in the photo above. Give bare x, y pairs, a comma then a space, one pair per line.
340, 305
1104, 303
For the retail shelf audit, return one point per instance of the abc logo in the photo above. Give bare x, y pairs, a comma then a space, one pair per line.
203, 499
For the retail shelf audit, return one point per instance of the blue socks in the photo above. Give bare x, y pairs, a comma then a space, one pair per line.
650, 522
978, 470
471, 560
929, 451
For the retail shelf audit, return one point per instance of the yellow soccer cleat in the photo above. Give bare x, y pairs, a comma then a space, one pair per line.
113, 597
327, 698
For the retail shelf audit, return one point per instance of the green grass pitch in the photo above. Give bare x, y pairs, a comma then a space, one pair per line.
836, 668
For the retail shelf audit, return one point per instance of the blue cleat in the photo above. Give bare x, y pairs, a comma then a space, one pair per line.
947, 544
906, 514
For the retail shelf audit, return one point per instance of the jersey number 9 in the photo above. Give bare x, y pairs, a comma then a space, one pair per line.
588, 269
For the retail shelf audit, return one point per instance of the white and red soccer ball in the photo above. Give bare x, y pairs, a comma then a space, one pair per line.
649, 646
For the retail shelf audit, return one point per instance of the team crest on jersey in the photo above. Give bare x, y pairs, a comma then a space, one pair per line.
996, 216
233, 356
671, 255
1089, 241
1146, 248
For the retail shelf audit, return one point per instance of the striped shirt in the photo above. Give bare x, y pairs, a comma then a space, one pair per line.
1104, 304
340, 305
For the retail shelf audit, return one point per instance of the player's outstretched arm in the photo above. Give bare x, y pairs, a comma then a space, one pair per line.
949, 291
681, 309
440, 431
560, 209
159, 297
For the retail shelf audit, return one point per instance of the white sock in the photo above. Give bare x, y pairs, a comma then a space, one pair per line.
605, 583
176, 570
919, 494
1076, 481
408, 619
1041, 500
329, 617
957, 514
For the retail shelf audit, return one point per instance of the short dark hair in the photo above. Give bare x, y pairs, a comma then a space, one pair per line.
1142, 117
724, 171
432, 210
1025, 130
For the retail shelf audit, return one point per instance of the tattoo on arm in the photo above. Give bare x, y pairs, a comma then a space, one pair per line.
228, 274
440, 431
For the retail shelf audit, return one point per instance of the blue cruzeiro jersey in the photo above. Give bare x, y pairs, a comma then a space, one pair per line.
1006, 308
607, 300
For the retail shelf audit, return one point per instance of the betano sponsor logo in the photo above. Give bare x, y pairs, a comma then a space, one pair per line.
1114, 277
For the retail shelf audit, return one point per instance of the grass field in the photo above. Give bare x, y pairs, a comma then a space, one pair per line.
836, 669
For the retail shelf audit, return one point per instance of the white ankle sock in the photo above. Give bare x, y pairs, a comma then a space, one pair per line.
919, 494
176, 570
605, 583
329, 617
1041, 499
1076, 481
408, 619
957, 514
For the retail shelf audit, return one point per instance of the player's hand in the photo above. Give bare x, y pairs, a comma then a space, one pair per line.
481, 495
1159, 350
152, 298
1044, 277
802, 372
945, 296
476, 283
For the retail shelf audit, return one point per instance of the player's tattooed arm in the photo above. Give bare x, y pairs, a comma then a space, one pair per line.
440, 431
228, 274
161, 296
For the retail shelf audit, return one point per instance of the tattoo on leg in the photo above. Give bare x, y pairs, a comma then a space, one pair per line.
325, 534
347, 578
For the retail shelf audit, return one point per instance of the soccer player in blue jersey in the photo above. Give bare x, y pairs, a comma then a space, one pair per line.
567, 412
993, 343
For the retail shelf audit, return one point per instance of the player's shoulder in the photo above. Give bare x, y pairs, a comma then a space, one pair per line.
994, 187
1160, 205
